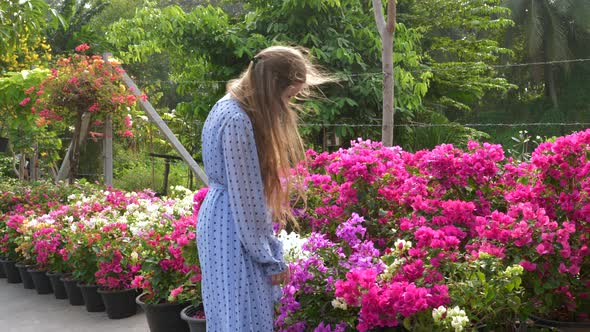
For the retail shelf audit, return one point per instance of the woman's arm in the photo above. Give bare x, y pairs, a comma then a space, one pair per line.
246, 195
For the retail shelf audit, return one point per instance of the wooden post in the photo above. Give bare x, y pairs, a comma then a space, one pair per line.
157, 120
166, 173
34, 176
107, 144
64, 170
167, 159
22, 167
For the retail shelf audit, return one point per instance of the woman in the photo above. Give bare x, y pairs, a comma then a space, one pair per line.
250, 142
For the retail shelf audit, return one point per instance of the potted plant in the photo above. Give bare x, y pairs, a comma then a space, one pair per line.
25, 250
392, 243
80, 284
50, 252
9, 229
547, 224
45, 240
168, 280
118, 264
194, 316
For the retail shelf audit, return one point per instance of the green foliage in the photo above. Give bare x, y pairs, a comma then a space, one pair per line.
6, 167
23, 126
135, 174
438, 130
77, 14
487, 289
461, 43
18, 17
523, 146
550, 25
551, 31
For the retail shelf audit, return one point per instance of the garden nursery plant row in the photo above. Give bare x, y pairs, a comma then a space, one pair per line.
437, 240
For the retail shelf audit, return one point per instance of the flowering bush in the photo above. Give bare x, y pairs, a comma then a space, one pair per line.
19, 206
445, 224
82, 84
167, 276
10, 226
117, 257
93, 248
48, 245
24, 240
172, 273
81, 258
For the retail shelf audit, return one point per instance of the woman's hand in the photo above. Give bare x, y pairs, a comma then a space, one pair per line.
281, 278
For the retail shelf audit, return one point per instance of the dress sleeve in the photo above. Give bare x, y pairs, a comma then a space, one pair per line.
246, 195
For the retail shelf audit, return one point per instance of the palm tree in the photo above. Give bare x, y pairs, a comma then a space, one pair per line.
551, 29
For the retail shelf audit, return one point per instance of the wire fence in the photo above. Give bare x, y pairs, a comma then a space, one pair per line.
425, 68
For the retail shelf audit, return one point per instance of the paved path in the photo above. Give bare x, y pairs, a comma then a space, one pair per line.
23, 310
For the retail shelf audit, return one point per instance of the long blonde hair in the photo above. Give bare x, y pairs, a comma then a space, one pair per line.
260, 91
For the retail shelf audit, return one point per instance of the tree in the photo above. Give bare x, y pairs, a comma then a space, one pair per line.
29, 134
551, 30
22, 24
77, 13
462, 42
387, 32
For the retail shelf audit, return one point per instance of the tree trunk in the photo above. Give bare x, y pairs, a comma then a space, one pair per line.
387, 131
34, 174
386, 29
75, 152
64, 169
550, 85
22, 169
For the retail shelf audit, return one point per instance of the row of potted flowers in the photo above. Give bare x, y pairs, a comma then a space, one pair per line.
98, 247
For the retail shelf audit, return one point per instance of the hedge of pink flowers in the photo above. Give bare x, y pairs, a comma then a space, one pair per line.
397, 238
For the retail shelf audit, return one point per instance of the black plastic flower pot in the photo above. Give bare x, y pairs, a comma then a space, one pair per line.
59, 290
73, 291
91, 297
120, 303
163, 317
2, 273
12, 274
194, 324
41, 281
25, 276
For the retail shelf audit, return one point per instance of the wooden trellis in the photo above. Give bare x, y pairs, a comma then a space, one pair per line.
157, 120
108, 137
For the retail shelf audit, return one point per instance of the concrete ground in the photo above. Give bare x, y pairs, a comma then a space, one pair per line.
23, 310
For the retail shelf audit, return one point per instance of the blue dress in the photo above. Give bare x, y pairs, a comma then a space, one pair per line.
238, 251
